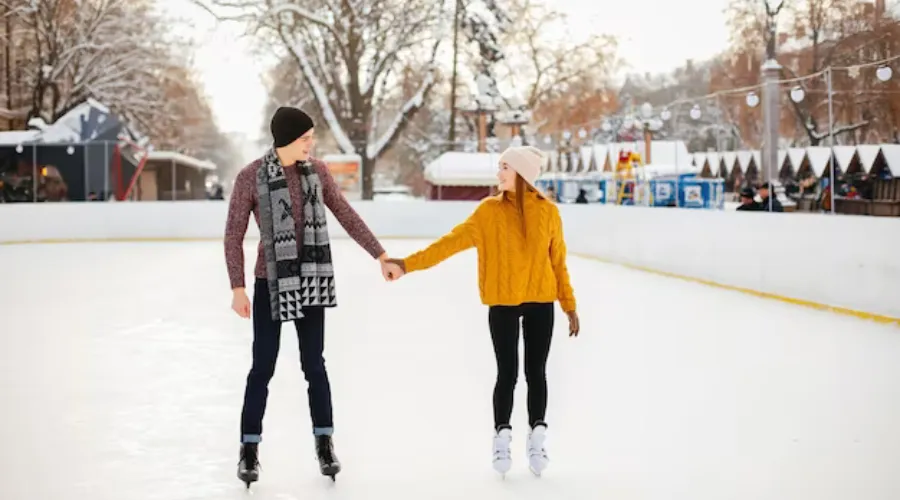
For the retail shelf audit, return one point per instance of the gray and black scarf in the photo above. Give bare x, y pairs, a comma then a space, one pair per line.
295, 281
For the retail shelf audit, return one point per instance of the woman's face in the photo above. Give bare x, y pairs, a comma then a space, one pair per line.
507, 178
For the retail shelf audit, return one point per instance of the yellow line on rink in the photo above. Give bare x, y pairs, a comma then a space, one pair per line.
878, 318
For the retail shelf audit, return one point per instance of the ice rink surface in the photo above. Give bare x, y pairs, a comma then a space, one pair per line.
123, 371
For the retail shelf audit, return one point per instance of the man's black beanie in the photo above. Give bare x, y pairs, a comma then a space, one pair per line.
288, 124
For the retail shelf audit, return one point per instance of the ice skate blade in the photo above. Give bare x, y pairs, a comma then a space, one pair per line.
537, 473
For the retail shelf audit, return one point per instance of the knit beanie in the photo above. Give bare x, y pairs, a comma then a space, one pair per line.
288, 124
525, 160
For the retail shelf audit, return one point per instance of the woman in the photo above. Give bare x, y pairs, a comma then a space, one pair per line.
522, 272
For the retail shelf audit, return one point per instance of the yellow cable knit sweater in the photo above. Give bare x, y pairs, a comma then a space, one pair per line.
511, 269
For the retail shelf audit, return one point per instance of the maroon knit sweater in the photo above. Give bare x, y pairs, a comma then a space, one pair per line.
245, 199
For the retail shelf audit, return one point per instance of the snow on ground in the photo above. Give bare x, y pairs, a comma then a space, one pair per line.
123, 369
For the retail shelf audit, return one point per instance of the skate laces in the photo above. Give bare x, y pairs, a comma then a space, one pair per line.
249, 457
536, 446
324, 449
501, 447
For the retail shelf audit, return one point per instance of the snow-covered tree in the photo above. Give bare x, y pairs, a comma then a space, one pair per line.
122, 53
546, 66
349, 53
106, 49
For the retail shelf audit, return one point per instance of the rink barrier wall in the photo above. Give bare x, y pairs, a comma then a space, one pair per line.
844, 264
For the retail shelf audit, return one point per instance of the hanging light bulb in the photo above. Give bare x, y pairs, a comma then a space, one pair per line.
19, 149
752, 99
582, 133
884, 73
70, 150
797, 94
695, 112
665, 114
606, 126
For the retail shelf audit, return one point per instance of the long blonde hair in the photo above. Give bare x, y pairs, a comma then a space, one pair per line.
521, 187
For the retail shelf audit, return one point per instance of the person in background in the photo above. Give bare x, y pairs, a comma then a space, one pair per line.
521, 273
765, 192
582, 196
747, 201
551, 194
287, 191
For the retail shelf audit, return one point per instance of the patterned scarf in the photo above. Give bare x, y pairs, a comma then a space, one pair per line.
296, 280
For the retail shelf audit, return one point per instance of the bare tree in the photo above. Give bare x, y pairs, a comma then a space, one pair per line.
106, 49
547, 69
349, 53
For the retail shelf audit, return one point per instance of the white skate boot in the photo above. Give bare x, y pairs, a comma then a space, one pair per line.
502, 456
537, 454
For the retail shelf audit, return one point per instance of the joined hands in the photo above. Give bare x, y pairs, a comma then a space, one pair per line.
391, 269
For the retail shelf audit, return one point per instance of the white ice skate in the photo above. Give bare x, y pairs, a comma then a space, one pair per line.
502, 456
537, 454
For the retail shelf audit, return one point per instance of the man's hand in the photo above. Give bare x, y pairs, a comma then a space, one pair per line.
240, 303
574, 325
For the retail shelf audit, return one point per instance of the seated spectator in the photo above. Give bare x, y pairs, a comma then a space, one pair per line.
747, 201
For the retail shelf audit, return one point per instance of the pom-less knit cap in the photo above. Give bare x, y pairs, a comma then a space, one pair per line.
288, 125
526, 161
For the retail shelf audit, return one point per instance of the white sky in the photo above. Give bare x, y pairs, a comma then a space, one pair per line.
654, 36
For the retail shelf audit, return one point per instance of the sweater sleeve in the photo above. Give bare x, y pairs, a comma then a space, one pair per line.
240, 206
345, 214
564, 291
464, 236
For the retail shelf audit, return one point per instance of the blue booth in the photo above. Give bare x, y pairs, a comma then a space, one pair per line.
701, 193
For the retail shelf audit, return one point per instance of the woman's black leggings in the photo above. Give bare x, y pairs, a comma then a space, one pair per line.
537, 327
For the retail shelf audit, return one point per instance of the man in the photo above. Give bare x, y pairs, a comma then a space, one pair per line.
287, 192
747, 201
765, 192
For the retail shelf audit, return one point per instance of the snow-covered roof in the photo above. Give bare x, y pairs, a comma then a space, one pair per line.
891, 154
342, 158
796, 155
868, 153
818, 158
844, 156
181, 159
86, 122
457, 168
16, 137
666, 169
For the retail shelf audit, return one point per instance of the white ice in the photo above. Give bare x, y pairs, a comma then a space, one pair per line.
123, 371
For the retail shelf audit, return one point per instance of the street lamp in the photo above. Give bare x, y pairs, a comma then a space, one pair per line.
752, 99
695, 112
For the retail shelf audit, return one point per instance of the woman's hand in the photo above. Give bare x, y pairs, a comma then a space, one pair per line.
574, 325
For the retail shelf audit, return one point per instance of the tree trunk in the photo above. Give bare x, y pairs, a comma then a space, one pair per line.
367, 169
451, 137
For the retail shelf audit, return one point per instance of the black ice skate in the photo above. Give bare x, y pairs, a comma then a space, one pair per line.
328, 462
248, 466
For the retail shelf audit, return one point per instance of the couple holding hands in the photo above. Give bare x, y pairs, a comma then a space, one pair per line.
522, 273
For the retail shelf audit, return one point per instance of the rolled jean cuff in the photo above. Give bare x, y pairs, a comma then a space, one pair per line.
251, 438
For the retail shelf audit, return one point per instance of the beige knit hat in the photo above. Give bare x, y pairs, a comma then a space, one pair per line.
526, 161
